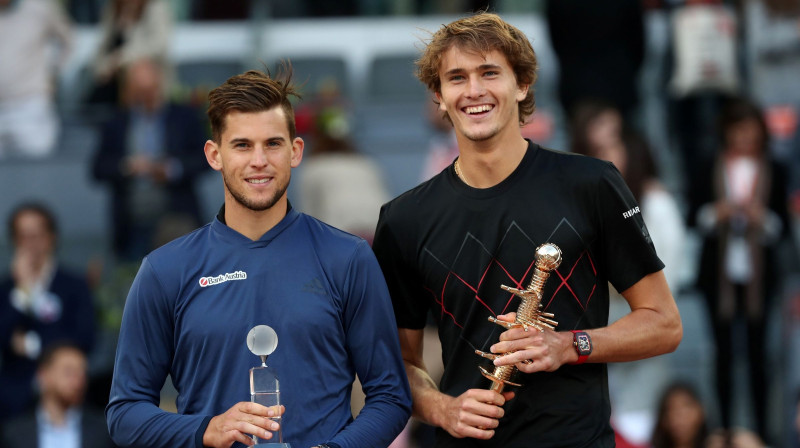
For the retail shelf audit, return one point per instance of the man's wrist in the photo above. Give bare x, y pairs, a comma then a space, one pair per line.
582, 343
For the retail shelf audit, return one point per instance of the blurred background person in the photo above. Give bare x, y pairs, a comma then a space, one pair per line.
131, 30
60, 419
704, 70
600, 48
337, 184
442, 147
40, 303
740, 210
634, 386
29, 29
681, 418
148, 155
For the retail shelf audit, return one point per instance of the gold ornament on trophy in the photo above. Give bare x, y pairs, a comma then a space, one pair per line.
529, 312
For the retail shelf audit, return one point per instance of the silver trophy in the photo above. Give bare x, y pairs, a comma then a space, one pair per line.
264, 386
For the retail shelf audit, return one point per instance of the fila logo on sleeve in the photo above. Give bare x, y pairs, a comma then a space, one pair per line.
227, 277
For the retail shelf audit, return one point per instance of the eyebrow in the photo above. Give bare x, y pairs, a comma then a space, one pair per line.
234, 141
480, 67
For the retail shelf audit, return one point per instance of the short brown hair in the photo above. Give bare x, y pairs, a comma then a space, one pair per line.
482, 33
252, 91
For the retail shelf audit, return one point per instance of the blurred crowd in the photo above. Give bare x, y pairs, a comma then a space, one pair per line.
711, 151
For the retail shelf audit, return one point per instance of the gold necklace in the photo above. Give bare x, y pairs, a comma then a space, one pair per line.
460, 174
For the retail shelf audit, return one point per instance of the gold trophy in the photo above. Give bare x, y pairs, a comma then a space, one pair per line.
529, 313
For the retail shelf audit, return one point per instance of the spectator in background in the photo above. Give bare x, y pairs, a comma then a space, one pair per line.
39, 304
681, 420
60, 419
443, 147
633, 386
29, 124
773, 31
740, 210
148, 156
602, 60
598, 132
131, 30
337, 184
704, 70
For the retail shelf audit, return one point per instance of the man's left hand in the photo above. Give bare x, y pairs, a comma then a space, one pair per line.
533, 350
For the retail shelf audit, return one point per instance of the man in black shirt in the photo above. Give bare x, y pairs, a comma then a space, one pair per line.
447, 245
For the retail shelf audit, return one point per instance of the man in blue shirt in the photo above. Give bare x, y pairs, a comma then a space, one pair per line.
259, 262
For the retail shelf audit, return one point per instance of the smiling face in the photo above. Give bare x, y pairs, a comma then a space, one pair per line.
255, 155
480, 94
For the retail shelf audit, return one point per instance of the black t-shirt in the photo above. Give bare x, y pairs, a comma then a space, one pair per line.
446, 247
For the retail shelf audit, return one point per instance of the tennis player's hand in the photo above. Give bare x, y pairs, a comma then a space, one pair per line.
238, 422
475, 413
534, 350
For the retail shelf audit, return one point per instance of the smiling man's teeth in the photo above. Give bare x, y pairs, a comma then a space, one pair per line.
478, 109
257, 181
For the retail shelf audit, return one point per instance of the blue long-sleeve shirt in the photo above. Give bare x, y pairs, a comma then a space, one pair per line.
195, 299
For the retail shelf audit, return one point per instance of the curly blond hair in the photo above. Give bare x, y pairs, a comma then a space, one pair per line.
482, 33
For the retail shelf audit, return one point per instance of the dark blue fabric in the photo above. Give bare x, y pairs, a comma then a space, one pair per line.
75, 324
319, 288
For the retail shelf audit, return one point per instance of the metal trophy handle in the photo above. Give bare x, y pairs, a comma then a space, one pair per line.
529, 312
264, 385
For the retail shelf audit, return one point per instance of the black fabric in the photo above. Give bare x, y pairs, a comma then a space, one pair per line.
445, 247
600, 48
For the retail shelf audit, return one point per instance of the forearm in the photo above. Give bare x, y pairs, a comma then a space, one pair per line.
143, 424
381, 419
643, 333
428, 402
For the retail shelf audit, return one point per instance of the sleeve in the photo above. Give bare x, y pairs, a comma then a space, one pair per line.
107, 161
628, 251
408, 299
375, 353
82, 316
189, 141
144, 354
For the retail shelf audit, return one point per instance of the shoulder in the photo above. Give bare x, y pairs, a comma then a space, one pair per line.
187, 247
575, 170
427, 194
65, 276
329, 239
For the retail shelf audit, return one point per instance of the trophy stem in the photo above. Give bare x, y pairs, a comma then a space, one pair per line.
263, 360
497, 387
529, 311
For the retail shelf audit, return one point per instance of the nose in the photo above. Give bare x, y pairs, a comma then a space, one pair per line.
259, 157
475, 89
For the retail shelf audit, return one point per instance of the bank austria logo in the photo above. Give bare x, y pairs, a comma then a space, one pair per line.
227, 277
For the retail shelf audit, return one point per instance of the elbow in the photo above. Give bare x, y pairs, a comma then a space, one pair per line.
673, 334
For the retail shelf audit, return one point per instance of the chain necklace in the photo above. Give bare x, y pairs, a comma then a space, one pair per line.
460, 175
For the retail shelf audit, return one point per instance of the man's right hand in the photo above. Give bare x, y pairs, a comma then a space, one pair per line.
238, 422
475, 413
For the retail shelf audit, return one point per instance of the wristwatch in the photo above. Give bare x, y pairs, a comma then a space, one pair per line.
583, 345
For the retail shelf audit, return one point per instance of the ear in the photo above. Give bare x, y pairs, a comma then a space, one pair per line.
297, 151
213, 155
522, 92
442, 107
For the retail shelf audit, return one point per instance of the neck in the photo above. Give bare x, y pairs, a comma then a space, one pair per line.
484, 164
250, 223
56, 412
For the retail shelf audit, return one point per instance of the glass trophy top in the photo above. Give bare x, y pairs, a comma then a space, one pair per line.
262, 340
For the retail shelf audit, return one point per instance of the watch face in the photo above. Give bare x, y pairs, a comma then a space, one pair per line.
584, 343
